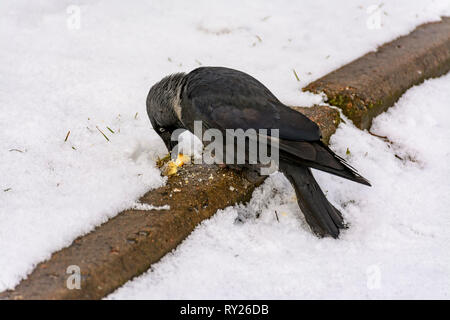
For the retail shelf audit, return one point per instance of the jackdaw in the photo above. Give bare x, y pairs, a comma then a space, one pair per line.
224, 98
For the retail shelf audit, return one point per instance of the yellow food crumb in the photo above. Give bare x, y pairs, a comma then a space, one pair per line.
182, 159
172, 166
171, 169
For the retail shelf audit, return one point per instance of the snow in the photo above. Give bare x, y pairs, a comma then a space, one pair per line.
146, 206
59, 73
397, 245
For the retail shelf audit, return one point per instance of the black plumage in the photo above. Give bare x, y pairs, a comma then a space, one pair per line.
224, 98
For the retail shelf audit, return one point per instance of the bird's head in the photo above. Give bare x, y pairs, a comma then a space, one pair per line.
163, 107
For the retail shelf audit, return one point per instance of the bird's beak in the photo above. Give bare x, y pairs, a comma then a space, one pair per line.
166, 137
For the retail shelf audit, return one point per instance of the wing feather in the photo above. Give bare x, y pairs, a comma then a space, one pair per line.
230, 99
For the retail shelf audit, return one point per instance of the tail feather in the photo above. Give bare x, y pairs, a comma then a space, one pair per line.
319, 156
323, 218
349, 172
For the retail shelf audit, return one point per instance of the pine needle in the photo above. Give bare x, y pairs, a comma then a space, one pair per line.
110, 129
296, 76
67, 136
16, 150
102, 133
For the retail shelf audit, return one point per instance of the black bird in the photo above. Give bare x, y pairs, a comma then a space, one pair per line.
224, 98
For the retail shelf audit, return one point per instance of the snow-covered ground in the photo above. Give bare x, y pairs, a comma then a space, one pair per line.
397, 245
86, 66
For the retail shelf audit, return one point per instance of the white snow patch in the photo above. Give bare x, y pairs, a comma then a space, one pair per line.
54, 79
397, 245
147, 207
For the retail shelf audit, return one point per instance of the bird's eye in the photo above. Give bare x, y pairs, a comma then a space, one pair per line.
162, 130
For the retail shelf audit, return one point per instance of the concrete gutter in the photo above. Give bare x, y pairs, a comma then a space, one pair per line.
128, 244
369, 85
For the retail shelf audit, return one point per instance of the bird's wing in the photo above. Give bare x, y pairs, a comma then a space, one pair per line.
229, 99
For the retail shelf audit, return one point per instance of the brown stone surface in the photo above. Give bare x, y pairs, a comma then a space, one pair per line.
369, 85
127, 245
327, 118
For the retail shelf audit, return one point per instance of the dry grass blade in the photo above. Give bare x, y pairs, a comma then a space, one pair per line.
102, 133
